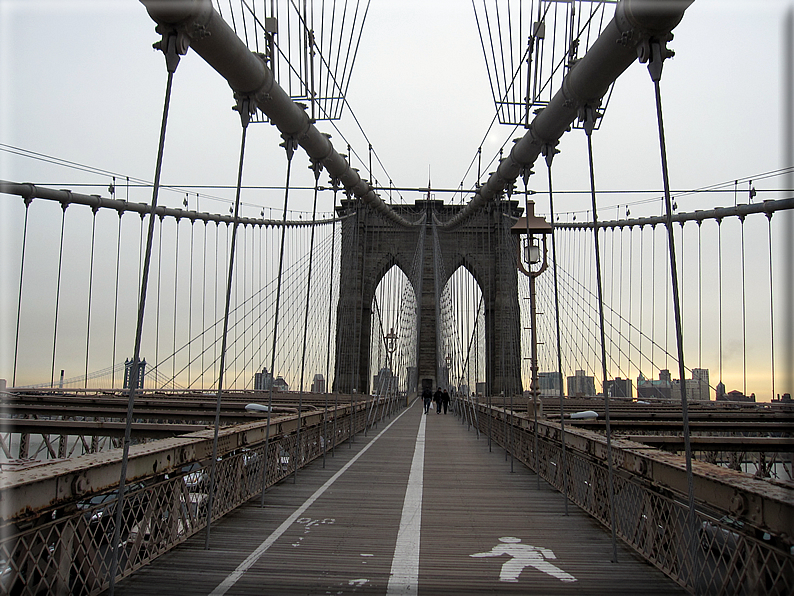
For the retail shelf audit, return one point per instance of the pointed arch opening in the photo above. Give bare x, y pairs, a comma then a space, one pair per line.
462, 356
393, 335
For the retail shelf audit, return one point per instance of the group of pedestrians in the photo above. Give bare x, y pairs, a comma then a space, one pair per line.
440, 397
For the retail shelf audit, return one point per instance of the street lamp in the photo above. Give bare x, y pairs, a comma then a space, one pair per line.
536, 229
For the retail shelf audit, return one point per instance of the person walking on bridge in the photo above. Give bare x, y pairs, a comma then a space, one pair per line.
445, 400
437, 398
427, 396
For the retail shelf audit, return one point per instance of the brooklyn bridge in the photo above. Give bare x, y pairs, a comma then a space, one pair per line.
216, 384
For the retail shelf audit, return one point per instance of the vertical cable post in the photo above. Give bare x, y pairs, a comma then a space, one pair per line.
656, 56
172, 45
244, 106
289, 145
549, 153
589, 124
316, 167
28, 201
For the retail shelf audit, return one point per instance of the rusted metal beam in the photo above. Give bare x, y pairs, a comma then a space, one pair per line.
712, 443
774, 425
27, 492
101, 428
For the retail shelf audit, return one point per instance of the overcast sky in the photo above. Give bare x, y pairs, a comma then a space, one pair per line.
79, 81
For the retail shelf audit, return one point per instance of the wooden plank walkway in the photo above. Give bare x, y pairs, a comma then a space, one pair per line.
343, 540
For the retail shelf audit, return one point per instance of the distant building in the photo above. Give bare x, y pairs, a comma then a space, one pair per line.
318, 384
263, 380
480, 388
651, 389
618, 387
549, 384
697, 388
280, 384
736, 395
581, 385
701, 390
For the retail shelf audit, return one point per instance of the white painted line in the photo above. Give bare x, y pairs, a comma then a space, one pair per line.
404, 577
251, 559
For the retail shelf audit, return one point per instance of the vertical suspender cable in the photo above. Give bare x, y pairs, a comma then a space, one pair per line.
190, 305
719, 289
172, 60
771, 304
549, 157
744, 315
642, 294
631, 302
655, 68
90, 292
176, 296
317, 167
116, 302
19, 296
289, 145
159, 285
653, 296
203, 299
588, 126
58, 293
245, 115
335, 184
215, 300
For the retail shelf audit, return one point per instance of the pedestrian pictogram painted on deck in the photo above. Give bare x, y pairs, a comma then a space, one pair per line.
524, 555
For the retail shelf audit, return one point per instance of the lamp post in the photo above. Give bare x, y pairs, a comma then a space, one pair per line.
536, 229
391, 346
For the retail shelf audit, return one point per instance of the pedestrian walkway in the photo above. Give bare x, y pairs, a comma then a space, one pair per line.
419, 506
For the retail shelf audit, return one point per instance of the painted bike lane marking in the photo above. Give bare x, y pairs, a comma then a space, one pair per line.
251, 559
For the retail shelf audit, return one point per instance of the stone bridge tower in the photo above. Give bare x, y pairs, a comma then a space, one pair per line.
371, 245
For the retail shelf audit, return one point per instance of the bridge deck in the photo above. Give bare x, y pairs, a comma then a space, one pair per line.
344, 528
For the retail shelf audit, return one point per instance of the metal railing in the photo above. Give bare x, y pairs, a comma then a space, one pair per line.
741, 543
66, 548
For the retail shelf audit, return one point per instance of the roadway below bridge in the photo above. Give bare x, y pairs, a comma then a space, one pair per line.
419, 506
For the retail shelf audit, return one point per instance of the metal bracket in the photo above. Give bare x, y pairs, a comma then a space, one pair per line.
289, 145
587, 116
245, 107
173, 44
549, 150
317, 168
654, 51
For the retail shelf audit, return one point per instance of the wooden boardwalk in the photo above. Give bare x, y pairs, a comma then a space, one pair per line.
347, 528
